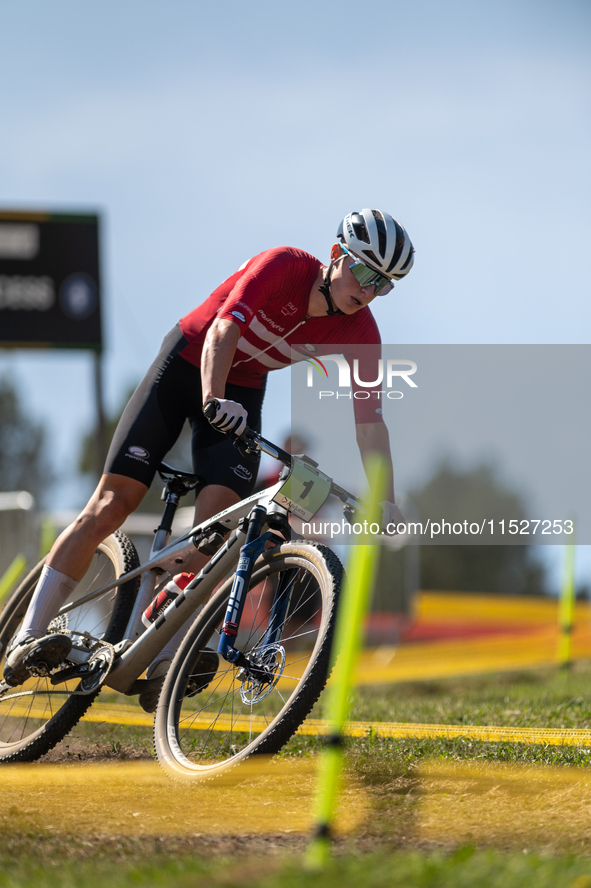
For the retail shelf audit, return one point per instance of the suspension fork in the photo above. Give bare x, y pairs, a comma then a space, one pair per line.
252, 548
280, 606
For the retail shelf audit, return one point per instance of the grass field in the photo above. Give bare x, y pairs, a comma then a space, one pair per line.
416, 811
429, 812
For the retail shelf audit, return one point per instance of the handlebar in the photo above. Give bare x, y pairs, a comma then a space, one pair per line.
249, 438
254, 442
349, 500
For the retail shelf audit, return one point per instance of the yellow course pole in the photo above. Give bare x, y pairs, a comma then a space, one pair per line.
11, 576
352, 609
566, 609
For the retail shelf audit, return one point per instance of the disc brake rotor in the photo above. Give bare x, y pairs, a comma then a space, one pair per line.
258, 683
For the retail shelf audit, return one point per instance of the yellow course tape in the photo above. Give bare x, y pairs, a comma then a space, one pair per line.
486, 733
131, 715
533, 648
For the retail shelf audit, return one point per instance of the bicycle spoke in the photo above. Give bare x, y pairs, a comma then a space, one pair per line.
27, 711
242, 702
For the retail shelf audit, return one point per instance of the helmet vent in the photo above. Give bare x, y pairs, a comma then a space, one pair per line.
399, 246
361, 232
376, 238
409, 259
382, 235
372, 257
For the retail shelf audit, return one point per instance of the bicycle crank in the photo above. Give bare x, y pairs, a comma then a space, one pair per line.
92, 673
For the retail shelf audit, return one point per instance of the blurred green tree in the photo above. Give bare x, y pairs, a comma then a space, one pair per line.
24, 461
476, 494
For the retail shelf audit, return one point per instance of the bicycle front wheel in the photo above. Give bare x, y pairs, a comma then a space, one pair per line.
36, 715
212, 715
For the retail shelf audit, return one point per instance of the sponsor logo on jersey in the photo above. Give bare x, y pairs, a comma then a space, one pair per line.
310, 348
139, 453
239, 316
289, 309
242, 472
270, 322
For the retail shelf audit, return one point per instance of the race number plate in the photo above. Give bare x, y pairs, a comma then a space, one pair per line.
305, 490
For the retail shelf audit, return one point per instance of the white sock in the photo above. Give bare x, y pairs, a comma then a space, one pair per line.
158, 666
52, 591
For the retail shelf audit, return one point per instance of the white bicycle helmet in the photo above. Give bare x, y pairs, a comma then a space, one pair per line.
379, 241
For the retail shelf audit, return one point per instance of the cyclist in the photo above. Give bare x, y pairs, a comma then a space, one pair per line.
273, 310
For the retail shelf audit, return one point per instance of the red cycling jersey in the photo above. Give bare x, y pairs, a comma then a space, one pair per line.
268, 299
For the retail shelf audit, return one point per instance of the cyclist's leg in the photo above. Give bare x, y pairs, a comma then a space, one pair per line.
67, 563
151, 423
211, 499
115, 497
229, 477
148, 428
70, 557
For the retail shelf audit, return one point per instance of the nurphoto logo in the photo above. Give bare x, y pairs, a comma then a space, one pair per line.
392, 371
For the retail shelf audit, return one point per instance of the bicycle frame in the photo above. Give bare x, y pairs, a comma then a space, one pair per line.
239, 552
141, 645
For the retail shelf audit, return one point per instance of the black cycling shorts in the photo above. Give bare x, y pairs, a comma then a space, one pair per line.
169, 394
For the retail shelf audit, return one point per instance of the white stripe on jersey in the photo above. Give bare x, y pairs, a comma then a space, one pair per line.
261, 331
277, 342
245, 346
280, 344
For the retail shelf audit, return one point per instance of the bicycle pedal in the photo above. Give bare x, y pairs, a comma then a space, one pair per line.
47, 654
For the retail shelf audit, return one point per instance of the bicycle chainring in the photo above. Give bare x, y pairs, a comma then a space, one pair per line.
99, 664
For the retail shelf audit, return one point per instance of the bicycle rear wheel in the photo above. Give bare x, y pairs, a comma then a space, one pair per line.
36, 715
212, 716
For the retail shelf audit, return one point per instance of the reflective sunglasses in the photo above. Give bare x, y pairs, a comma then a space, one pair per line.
367, 277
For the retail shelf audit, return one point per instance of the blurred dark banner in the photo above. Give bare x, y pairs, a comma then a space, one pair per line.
49, 280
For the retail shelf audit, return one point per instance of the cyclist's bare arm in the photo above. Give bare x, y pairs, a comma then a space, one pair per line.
372, 437
217, 356
216, 359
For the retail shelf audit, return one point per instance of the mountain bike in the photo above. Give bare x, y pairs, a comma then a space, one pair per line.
254, 660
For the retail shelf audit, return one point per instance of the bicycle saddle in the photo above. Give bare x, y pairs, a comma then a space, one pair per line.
165, 471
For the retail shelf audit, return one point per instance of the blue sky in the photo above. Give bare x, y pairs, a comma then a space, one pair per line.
205, 133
